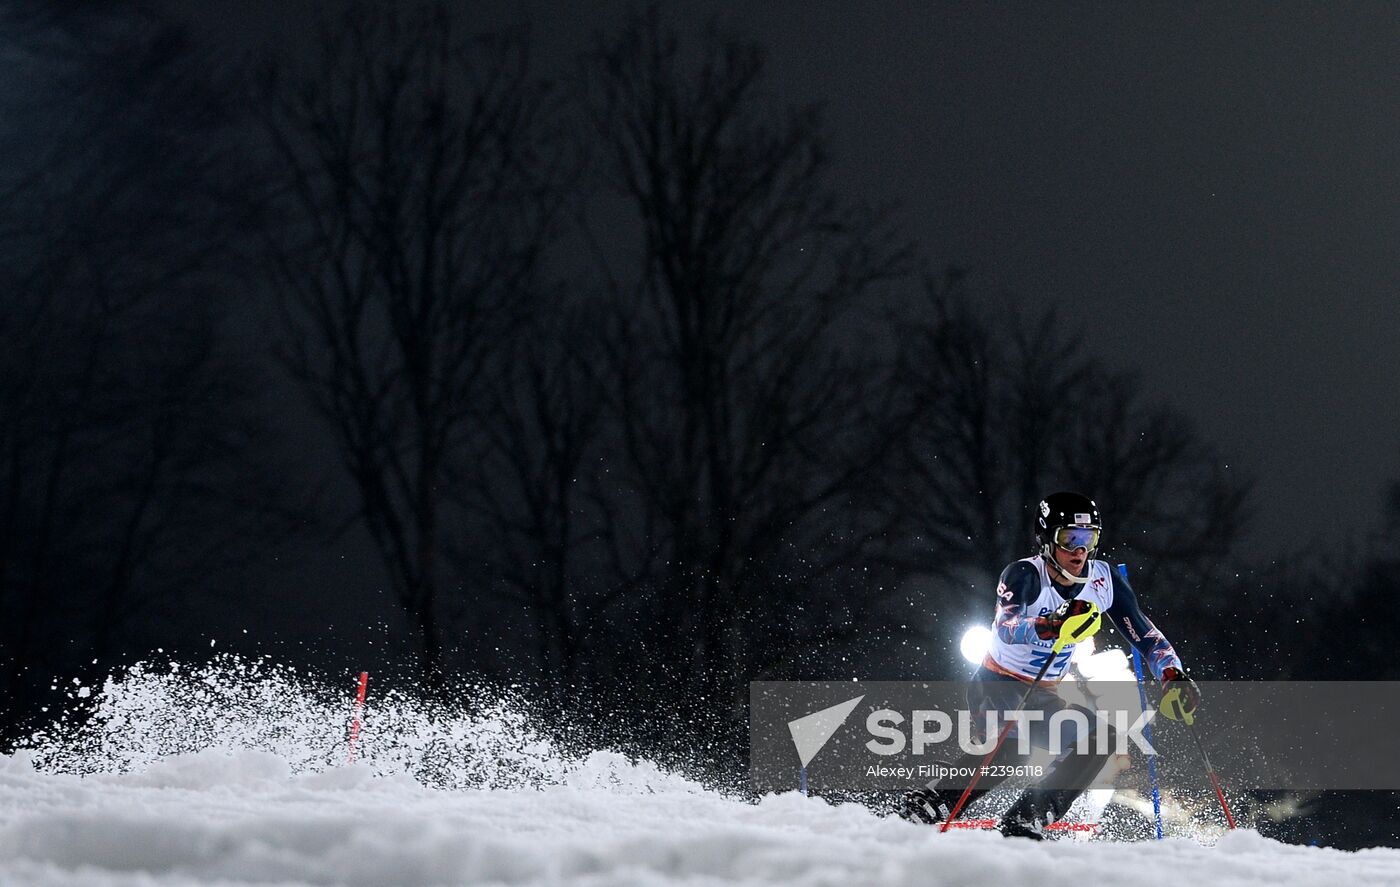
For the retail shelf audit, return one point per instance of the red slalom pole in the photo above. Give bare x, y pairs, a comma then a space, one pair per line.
355, 718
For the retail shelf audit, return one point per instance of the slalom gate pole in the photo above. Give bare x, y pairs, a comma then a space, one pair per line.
355, 716
1083, 629
1205, 758
1147, 733
1147, 730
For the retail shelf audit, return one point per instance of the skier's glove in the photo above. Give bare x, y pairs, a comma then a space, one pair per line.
1180, 695
1049, 625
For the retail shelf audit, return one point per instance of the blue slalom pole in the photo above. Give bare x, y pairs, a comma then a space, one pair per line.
1151, 759
1147, 731
802, 778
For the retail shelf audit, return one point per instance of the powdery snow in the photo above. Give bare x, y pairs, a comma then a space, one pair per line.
214, 808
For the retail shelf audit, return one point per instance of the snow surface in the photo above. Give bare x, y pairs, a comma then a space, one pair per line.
227, 777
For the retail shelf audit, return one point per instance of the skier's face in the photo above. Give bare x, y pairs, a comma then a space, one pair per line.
1072, 562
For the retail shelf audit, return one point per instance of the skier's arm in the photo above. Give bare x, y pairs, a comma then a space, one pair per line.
1018, 589
1134, 625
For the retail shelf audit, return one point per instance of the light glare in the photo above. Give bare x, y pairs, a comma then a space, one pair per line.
976, 641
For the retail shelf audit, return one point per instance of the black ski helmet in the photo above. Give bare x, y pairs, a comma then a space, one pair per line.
1063, 510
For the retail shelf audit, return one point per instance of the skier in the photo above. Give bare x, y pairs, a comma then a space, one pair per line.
1034, 598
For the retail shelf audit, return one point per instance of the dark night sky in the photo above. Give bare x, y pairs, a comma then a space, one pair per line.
1210, 194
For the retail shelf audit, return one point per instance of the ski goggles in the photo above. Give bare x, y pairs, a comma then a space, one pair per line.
1072, 538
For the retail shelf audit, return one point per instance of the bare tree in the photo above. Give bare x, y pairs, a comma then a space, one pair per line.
416, 208
738, 386
1002, 410
528, 490
132, 458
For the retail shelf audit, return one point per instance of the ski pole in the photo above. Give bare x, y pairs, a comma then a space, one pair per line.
1147, 730
1189, 720
1074, 630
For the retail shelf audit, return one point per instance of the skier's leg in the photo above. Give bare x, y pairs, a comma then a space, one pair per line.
1050, 797
933, 803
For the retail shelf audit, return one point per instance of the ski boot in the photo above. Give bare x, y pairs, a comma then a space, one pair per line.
925, 806
1020, 824
1034, 812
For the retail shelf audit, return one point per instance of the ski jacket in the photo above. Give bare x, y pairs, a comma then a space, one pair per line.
1026, 593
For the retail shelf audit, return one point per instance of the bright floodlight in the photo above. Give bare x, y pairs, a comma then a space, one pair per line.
1082, 651
976, 641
